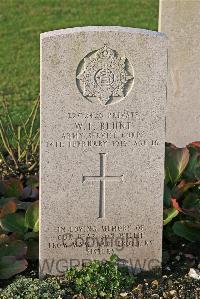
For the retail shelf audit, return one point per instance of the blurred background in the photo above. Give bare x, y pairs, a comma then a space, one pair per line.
22, 21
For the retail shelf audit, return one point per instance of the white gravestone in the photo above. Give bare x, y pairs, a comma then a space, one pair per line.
103, 98
180, 20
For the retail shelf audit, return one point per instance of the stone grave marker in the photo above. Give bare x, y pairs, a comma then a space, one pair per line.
180, 20
103, 98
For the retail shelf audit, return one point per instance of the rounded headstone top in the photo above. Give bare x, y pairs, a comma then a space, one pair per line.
88, 29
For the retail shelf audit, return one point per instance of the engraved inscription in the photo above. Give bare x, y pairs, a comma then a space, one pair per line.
106, 239
104, 75
102, 178
104, 129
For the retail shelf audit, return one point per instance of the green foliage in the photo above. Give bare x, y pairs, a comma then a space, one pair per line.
12, 260
187, 229
32, 217
10, 265
95, 280
182, 192
19, 145
29, 288
19, 225
99, 279
170, 214
14, 223
176, 160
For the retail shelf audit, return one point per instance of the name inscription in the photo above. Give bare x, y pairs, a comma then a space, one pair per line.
102, 129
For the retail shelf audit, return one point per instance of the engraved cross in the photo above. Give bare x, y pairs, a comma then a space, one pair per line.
102, 178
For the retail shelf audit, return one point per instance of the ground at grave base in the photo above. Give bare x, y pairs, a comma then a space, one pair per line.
176, 281
180, 277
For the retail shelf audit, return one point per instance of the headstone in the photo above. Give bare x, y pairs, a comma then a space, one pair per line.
103, 93
180, 20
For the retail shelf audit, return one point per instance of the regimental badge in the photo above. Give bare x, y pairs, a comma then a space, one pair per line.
105, 76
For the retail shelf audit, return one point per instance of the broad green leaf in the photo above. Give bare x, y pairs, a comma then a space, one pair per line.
14, 223
8, 208
176, 160
169, 214
32, 216
15, 248
4, 200
191, 205
11, 188
10, 266
192, 171
187, 230
183, 187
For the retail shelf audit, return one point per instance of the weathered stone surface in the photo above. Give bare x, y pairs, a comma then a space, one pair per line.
103, 93
180, 20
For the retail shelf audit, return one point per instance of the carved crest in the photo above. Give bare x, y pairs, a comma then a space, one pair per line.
105, 75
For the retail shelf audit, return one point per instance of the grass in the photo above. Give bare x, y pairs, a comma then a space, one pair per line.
22, 21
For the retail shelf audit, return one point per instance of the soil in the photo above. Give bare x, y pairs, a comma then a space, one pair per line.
174, 283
